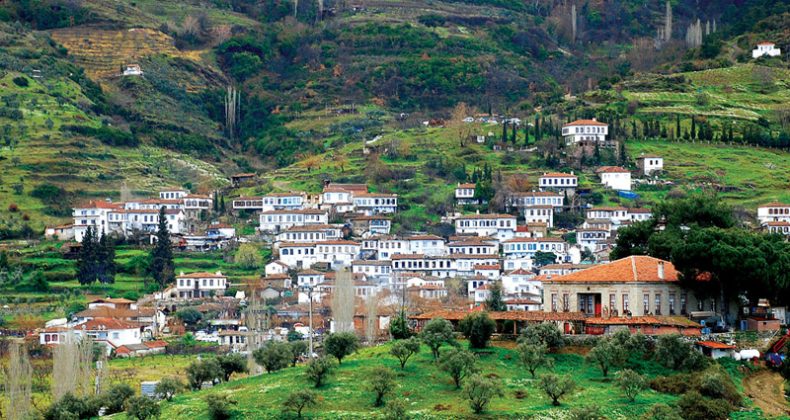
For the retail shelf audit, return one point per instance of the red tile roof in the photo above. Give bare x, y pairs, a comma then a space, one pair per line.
537, 316
715, 345
637, 268
611, 169
106, 324
557, 175
585, 122
201, 275
774, 204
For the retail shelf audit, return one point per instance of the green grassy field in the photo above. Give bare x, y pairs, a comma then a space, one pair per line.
428, 392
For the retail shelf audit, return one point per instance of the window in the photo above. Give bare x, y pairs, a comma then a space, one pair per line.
683, 300
625, 304
658, 303
672, 304
566, 306
646, 303
554, 302
612, 302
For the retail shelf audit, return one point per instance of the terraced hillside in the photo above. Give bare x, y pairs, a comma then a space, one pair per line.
104, 52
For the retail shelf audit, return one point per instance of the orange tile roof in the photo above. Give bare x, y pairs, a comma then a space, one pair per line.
611, 169
106, 324
774, 204
715, 345
637, 268
467, 186
557, 175
585, 122
200, 275
486, 216
537, 316
674, 321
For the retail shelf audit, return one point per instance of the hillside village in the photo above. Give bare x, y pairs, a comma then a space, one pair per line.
449, 209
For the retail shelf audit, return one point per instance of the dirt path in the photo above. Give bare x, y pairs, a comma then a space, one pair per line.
766, 389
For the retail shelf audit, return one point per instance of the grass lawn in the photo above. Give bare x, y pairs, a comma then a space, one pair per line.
427, 390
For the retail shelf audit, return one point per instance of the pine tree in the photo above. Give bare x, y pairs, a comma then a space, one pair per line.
623, 155
693, 128
216, 202
494, 301
222, 204
537, 127
513, 137
504, 131
161, 267
677, 124
86, 262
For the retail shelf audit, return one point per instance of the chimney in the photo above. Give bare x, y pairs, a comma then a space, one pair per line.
661, 270
594, 119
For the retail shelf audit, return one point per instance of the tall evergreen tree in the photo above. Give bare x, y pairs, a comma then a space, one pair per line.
161, 267
504, 131
693, 128
86, 262
105, 260
494, 301
513, 134
222, 204
677, 124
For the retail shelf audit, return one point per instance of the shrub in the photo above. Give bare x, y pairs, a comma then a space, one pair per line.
299, 400
546, 333
477, 327
662, 412
168, 387
317, 370
341, 345
676, 354
395, 410
436, 332
72, 407
631, 383
21, 81
608, 353
399, 327
114, 399
142, 408
459, 364
248, 256
404, 349
381, 383
480, 390
696, 407
587, 412
556, 387
219, 406
13, 208
189, 316
533, 356
273, 356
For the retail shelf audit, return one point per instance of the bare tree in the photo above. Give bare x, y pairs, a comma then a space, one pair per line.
85, 365
668, 22
573, 21
65, 366
694, 35
343, 301
232, 106
461, 128
371, 318
102, 373
18, 382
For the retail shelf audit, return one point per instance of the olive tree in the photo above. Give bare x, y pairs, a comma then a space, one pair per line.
405, 349
631, 383
556, 387
533, 356
480, 390
477, 327
341, 345
317, 370
436, 332
607, 354
381, 383
299, 400
273, 356
459, 364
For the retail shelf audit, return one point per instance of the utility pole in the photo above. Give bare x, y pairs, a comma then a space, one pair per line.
309, 289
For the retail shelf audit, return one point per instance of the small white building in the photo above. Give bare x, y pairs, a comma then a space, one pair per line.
200, 285
276, 267
773, 212
465, 194
540, 214
615, 177
500, 226
714, 349
132, 70
279, 220
781, 228
375, 203
110, 331
557, 181
585, 130
649, 163
766, 48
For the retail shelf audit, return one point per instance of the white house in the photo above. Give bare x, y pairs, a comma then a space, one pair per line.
465, 194
62, 232
650, 163
93, 214
375, 203
714, 349
773, 212
766, 48
524, 200
473, 246
372, 269
337, 252
426, 244
200, 285
619, 214
173, 194
615, 177
110, 331
782, 228
557, 181
221, 230
585, 130
592, 239
276, 267
132, 70
540, 214
500, 226
436, 266
311, 233
521, 282
527, 247
279, 220
466, 265
298, 254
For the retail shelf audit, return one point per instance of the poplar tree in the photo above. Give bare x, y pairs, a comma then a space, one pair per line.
161, 268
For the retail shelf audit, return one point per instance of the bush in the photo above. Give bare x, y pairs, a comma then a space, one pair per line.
114, 399
696, 407
72, 407
480, 390
248, 256
381, 383
533, 356
142, 408
608, 353
299, 400
587, 412
662, 412
674, 353
273, 356
341, 345
317, 370
297, 348
21, 81
477, 327
459, 364
436, 332
546, 333
219, 406
631, 383
395, 410
556, 387
106, 135
404, 349
399, 327
168, 387
189, 316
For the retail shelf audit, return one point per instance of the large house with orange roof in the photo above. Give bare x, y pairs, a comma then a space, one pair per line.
201, 285
773, 212
557, 181
584, 131
110, 331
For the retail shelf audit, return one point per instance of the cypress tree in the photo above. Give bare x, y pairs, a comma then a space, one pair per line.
693, 128
677, 124
216, 202
105, 260
513, 134
161, 267
537, 127
86, 262
222, 204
